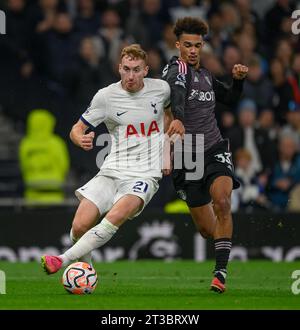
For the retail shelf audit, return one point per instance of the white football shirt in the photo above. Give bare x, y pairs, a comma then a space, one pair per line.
136, 127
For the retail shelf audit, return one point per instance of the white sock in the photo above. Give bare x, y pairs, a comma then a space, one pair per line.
92, 239
87, 257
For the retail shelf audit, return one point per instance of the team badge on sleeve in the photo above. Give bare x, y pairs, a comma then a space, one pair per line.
181, 77
181, 80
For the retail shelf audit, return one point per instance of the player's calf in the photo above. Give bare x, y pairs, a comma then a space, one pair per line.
87, 257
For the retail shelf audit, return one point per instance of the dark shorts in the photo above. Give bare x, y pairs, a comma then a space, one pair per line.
217, 162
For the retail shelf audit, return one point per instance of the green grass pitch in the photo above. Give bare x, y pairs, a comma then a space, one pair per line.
155, 285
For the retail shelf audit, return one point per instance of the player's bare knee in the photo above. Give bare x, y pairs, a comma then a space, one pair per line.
79, 229
222, 205
116, 215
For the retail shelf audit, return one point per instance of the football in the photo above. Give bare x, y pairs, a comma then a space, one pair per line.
80, 278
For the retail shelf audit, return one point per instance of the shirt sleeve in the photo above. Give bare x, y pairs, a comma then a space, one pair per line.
228, 95
96, 113
176, 76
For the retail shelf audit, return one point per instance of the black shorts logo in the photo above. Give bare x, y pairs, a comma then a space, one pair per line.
182, 194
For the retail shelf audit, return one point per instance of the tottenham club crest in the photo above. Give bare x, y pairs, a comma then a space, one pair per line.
153, 105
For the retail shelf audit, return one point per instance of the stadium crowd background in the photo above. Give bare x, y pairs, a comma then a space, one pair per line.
56, 54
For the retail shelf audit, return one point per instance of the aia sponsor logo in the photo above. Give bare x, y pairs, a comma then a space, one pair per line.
142, 130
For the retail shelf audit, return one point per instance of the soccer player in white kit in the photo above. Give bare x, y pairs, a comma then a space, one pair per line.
133, 110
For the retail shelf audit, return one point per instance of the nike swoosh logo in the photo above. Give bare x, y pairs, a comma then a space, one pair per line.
121, 113
98, 235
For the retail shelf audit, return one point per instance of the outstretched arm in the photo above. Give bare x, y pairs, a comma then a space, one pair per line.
229, 95
79, 138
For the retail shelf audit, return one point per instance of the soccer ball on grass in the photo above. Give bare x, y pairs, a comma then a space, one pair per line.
80, 278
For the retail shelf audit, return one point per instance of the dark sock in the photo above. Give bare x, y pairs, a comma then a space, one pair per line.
222, 251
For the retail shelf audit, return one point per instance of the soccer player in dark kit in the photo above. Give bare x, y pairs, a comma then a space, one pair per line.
194, 92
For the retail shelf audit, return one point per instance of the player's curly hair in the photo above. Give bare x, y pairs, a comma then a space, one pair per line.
190, 25
134, 51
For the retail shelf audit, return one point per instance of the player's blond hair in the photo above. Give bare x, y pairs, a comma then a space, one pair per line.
135, 52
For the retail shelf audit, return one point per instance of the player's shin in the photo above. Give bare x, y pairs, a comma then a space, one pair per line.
87, 257
93, 239
222, 251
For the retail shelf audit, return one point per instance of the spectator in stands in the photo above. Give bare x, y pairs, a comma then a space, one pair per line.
293, 123
155, 63
217, 37
266, 121
286, 172
187, 8
252, 191
57, 51
294, 78
227, 122
283, 92
212, 63
167, 44
44, 159
248, 15
43, 15
255, 140
89, 73
274, 18
18, 29
149, 21
111, 36
27, 91
258, 87
247, 45
87, 20
231, 56
230, 17
284, 53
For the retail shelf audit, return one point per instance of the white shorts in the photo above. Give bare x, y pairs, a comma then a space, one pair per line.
105, 191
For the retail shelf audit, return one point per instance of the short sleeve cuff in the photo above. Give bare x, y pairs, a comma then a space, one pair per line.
86, 122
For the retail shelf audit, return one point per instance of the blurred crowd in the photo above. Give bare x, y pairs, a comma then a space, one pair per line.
57, 54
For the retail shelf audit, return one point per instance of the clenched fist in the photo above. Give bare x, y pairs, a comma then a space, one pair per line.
239, 71
86, 141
